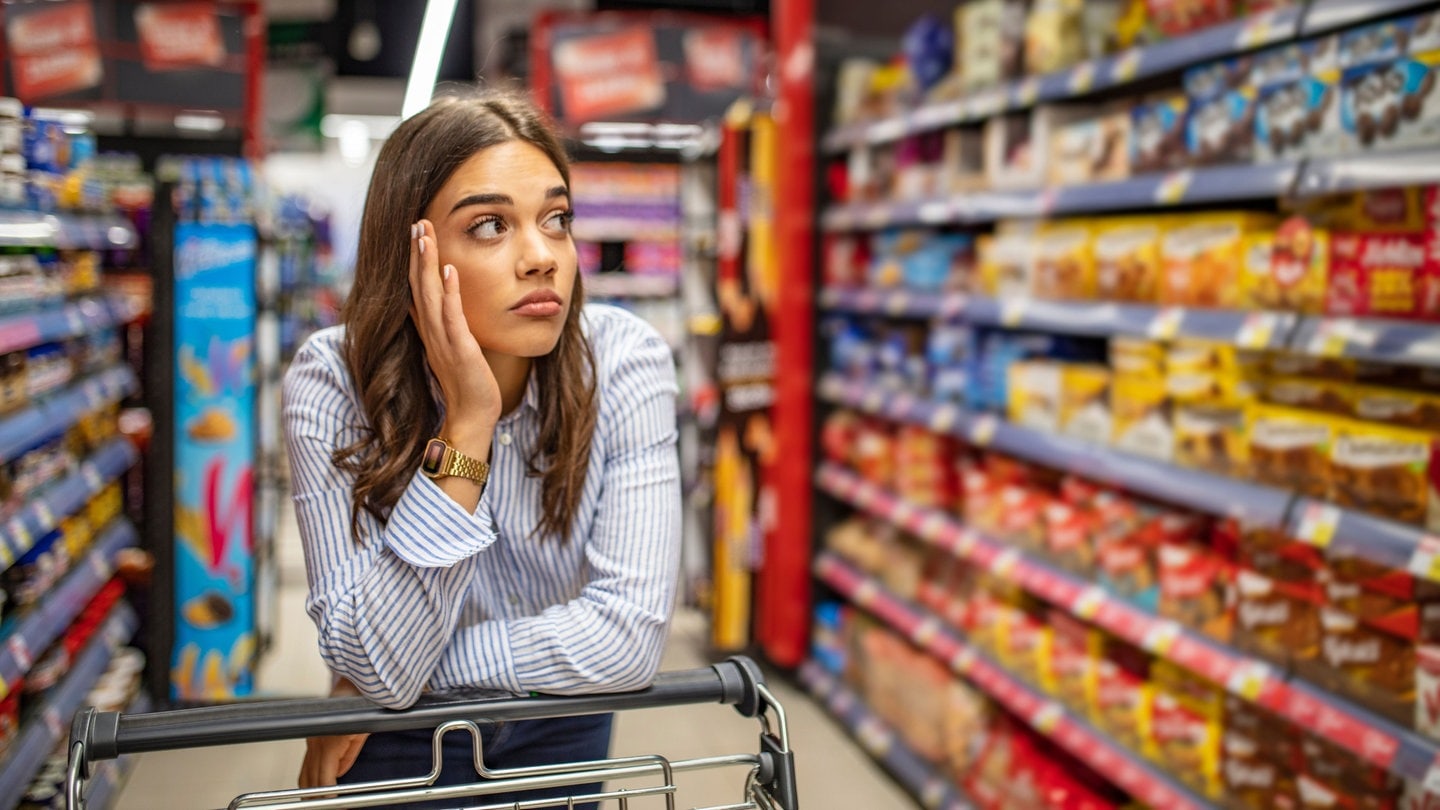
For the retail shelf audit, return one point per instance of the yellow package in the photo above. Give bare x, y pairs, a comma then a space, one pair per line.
1007, 261
1137, 356
1309, 393
1064, 261
1085, 402
1285, 364
1033, 394
1127, 259
1387, 471
1200, 355
1140, 410
1290, 448
1212, 437
1121, 693
1069, 673
1202, 256
1289, 270
1186, 720
1397, 407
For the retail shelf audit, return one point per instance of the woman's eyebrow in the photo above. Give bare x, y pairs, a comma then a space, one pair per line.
504, 199
557, 191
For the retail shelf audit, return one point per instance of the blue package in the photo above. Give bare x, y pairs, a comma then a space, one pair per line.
1374, 44
929, 47
919, 260
1222, 129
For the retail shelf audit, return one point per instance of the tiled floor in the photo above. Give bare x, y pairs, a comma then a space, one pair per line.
834, 774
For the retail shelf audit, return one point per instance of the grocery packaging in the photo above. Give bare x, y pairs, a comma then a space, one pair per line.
1127, 259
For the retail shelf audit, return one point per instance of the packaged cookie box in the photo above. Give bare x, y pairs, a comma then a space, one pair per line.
1186, 714
1332, 778
1212, 437
1136, 357
1290, 448
1308, 393
991, 41
1127, 258
1121, 693
1276, 620
1070, 671
1085, 402
1296, 97
1220, 126
1202, 257
1398, 407
1289, 270
1373, 667
1157, 134
1195, 587
1033, 394
1007, 260
1388, 83
1259, 756
1092, 149
1140, 408
1390, 472
1175, 18
1383, 275
1065, 260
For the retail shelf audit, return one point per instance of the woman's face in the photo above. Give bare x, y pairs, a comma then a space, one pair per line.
503, 221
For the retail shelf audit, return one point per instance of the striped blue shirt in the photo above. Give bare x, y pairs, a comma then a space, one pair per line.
439, 598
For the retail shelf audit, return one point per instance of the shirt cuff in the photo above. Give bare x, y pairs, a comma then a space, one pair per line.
428, 529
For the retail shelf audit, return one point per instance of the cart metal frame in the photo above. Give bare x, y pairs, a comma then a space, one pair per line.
769, 780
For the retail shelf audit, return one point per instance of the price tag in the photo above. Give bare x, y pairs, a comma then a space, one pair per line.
1082, 78
865, 593
887, 130
1012, 311
44, 516
1161, 637
1248, 680
830, 297
831, 387
19, 650
101, 566
944, 418
874, 737
902, 405
926, 632
933, 794
1166, 323
1028, 92
953, 306
877, 216
1005, 562
1088, 603
935, 212
53, 724
92, 477
843, 702
963, 661
1173, 187
1257, 330
20, 538
1127, 65
1047, 718
75, 322
1331, 337
873, 401
964, 544
1425, 560
982, 430
897, 302
931, 526
1318, 523
900, 512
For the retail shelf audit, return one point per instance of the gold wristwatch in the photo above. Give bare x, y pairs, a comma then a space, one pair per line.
441, 460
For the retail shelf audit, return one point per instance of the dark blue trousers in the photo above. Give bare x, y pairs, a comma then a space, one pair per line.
510, 744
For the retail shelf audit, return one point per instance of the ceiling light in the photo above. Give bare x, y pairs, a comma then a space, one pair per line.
434, 30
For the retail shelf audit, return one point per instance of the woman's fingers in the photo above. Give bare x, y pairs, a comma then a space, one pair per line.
425, 283
452, 313
351, 753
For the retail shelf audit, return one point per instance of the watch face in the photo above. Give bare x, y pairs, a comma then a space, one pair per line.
434, 457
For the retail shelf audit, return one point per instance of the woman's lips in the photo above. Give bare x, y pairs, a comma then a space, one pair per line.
539, 304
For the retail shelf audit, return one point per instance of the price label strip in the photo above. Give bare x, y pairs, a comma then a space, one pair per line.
1248, 680
1127, 66
1028, 92
1331, 337
982, 430
1425, 560
1161, 637
944, 418
1166, 323
1318, 523
1082, 78
1257, 330
1088, 603
1173, 187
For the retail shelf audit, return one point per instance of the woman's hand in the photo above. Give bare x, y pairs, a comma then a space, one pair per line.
329, 758
472, 396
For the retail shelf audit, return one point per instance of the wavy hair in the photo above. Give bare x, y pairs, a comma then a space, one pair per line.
383, 350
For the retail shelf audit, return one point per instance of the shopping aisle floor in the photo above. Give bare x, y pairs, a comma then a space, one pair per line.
834, 774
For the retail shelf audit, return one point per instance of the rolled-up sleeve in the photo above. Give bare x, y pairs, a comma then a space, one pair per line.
386, 606
611, 637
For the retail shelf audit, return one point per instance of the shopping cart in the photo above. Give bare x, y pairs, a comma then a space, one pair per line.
769, 774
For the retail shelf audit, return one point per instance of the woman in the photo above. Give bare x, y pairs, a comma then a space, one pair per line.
484, 469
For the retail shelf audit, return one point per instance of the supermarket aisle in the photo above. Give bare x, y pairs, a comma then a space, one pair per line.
834, 773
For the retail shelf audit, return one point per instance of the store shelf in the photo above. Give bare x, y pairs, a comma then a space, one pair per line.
50, 726
55, 414
1149, 191
58, 501
66, 231
74, 319
109, 776
1367, 735
1321, 524
1087, 77
1248, 329
1121, 766
1329, 15
625, 285
1333, 175
882, 742
47, 620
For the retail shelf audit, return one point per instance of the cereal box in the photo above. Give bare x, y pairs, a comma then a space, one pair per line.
1064, 261
1290, 448
1202, 259
1391, 472
1157, 134
1288, 271
1127, 259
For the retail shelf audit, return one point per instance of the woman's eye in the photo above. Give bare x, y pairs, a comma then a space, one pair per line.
560, 220
488, 228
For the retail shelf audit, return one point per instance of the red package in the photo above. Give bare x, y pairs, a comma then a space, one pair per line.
1383, 275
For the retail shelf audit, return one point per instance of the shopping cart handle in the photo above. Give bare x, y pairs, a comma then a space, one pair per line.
107, 735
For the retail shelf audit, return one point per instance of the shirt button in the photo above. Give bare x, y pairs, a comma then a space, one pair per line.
505, 439
514, 600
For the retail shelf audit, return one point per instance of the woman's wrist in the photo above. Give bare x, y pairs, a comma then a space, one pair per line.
470, 437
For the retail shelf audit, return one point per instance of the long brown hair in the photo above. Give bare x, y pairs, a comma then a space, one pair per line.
383, 350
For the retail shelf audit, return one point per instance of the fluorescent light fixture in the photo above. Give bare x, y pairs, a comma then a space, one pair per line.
434, 30
354, 142
199, 121
377, 127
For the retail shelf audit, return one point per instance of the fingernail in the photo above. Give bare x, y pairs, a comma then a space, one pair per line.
414, 229
447, 270
422, 246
